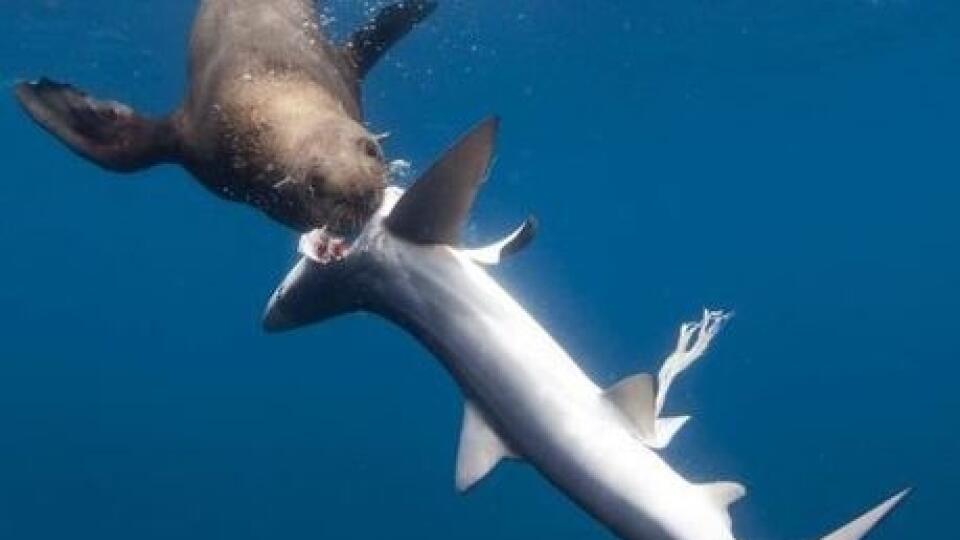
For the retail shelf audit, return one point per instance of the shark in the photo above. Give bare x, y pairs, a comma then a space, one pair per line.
525, 398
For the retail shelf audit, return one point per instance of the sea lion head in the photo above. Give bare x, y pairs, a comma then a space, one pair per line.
338, 176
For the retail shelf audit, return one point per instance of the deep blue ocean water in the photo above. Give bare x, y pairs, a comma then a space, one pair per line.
794, 161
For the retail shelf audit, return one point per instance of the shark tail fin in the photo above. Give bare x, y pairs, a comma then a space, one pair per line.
858, 528
434, 209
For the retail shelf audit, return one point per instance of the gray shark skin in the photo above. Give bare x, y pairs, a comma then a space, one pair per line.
525, 397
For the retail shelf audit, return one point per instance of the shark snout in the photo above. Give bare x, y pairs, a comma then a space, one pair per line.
314, 291
276, 318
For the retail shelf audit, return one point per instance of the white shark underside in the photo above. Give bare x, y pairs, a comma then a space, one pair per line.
525, 397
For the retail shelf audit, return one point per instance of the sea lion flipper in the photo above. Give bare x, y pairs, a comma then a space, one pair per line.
368, 44
107, 133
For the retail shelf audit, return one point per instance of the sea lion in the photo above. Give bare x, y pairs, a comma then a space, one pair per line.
272, 117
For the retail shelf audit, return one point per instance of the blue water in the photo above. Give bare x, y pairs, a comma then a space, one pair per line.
793, 161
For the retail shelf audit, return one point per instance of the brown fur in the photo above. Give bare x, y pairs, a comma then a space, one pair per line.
272, 117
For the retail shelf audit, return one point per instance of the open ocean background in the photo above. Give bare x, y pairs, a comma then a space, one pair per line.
796, 161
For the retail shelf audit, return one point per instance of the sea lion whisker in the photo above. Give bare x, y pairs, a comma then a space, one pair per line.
287, 180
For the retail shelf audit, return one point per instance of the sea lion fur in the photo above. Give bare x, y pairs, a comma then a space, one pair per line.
272, 116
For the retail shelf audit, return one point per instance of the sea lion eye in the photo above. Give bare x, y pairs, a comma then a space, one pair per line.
371, 149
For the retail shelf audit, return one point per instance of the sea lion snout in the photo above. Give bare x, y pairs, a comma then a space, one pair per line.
346, 213
344, 188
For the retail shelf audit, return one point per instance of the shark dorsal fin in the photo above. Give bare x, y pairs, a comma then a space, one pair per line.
481, 449
435, 208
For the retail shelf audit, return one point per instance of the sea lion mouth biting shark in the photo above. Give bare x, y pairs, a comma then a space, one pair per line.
272, 116
525, 397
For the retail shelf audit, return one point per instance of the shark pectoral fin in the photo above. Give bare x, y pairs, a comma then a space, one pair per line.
517, 241
636, 398
434, 209
481, 449
723, 494
858, 528
368, 44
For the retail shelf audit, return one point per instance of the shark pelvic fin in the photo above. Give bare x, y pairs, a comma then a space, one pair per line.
516, 242
636, 398
481, 449
641, 397
435, 208
858, 528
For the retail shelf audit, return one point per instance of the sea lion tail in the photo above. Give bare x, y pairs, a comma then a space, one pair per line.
107, 133
368, 44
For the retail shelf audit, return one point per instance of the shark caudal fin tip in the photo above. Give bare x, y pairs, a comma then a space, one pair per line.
860, 527
900, 496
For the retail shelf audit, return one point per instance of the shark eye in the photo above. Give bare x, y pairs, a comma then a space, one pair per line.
371, 149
